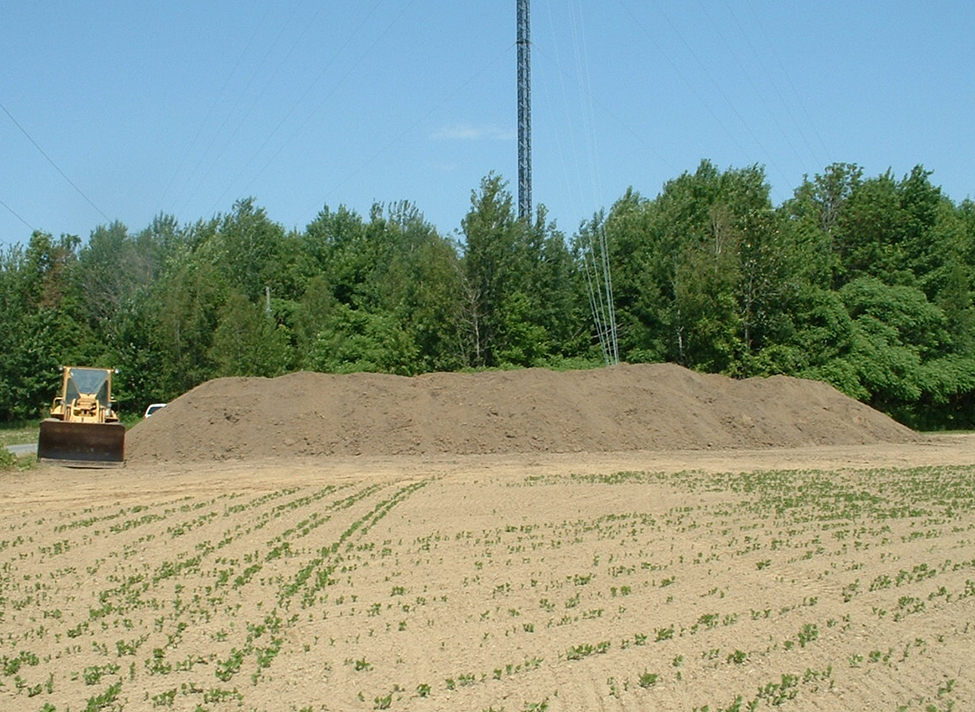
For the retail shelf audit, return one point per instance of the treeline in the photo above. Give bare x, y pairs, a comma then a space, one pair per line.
864, 282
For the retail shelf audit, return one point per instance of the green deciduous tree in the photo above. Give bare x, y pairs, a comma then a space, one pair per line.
865, 282
248, 341
520, 291
189, 302
492, 262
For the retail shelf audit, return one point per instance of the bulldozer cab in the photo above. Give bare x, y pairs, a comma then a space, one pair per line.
93, 381
83, 430
86, 396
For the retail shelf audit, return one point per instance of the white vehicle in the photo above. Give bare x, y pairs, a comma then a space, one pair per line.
153, 408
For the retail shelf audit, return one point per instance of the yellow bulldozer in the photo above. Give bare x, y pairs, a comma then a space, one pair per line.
84, 429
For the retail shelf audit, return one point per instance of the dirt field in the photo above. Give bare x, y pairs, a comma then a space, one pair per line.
827, 576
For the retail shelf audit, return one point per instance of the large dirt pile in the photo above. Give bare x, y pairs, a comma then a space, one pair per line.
629, 407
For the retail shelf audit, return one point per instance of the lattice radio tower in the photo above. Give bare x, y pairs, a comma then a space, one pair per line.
524, 112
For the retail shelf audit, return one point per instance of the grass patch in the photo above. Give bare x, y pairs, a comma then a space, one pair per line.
9, 461
18, 434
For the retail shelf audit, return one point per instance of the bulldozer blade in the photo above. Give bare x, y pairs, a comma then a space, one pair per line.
81, 444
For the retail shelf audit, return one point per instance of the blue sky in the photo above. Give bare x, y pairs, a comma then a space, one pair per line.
124, 110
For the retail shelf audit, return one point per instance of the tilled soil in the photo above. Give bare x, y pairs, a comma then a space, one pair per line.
447, 543
830, 578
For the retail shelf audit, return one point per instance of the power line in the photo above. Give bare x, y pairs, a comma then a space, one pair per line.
788, 78
599, 287
682, 76
213, 106
365, 21
396, 139
14, 213
610, 113
718, 88
51, 161
581, 55
243, 117
567, 186
748, 76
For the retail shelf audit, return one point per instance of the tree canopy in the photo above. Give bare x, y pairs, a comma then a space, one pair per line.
863, 282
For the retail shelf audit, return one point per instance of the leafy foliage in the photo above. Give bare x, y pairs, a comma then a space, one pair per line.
864, 282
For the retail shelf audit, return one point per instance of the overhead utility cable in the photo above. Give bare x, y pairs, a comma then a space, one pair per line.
396, 139
51, 161
365, 21
14, 213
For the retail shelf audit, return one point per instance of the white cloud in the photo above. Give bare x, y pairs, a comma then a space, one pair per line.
467, 132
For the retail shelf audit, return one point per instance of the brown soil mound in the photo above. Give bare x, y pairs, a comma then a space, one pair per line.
628, 407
